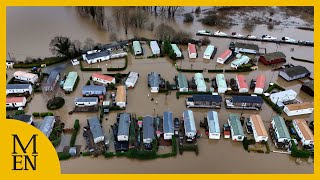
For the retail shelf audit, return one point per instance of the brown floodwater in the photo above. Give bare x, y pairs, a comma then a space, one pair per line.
39, 24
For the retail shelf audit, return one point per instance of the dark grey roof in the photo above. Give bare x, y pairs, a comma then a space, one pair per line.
94, 89
52, 77
97, 55
273, 56
124, 124
295, 70
247, 99
95, 127
18, 86
86, 99
206, 97
167, 122
154, 79
148, 128
309, 84
23, 118
115, 45
247, 46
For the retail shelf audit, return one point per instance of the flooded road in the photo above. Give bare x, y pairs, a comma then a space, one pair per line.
222, 156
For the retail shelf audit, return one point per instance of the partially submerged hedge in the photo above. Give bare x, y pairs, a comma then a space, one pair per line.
295, 152
75, 131
88, 69
122, 68
48, 61
274, 106
64, 155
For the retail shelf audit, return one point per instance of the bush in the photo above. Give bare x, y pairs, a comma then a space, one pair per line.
43, 114
49, 114
84, 154
35, 114
88, 82
190, 70
56, 142
64, 155
19, 112
295, 152
76, 124
55, 103
108, 154
274, 86
76, 127
198, 10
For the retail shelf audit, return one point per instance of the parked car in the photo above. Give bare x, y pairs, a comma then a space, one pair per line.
204, 32
219, 33
249, 127
234, 34
287, 39
269, 38
251, 37
176, 123
226, 131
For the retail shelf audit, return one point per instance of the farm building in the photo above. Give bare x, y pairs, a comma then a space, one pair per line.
204, 101
272, 58
52, 81
86, 101
221, 83
260, 83
246, 48
192, 51
176, 50
259, 131
155, 48
303, 131
168, 129
70, 81
224, 56
103, 79
15, 102
148, 129
293, 73
96, 57
47, 125
242, 59
96, 130
137, 48
242, 84
298, 109
244, 102
93, 90
281, 134
201, 85
283, 96
26, 77
154, 82
182, 83
123, 128
132, 79
213, 124
189, 124
24, 118
307, 87
209, 52
18, 89
237, 133
121, 97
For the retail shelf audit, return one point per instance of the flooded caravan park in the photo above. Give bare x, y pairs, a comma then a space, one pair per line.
222, 156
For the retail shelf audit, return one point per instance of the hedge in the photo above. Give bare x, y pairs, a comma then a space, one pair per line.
238, 70
35, 114
295, 152
274, 106
190, 70
48, 61
87, 153
88, 69
75, 131
116, 108
19, 112
215, 70
108, 154
122, 68
64, 155
246, 142
56, 142
42, 114
274, 86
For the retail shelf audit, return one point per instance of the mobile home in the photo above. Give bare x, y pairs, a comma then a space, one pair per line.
70, 81
209, 52
176, 50
121, 97
154, 82
148, 129
182, 83
237, 133
283, 96
213, 124
222, 84
15, 102
280, 134
303, 131
242, 84
168, 129
204, 101
260, 83
93, 90
52, 81
123, 128
199, 80
86, 101
96, 57
259, 131
96, 130
242, 59
189, 124
293, 73
47, 125
155, 48
132, 79
272, 58
298, 109
137, 48
103, 79
192, 51
224, 56
26, 77
18, 88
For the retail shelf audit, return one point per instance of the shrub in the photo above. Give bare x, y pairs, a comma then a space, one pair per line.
64, 155
76, 124
49, 114
190, 70
295, 152
55, 103
88, 82
188, 18
87, 153
198, 10
215, 70
19, 112
108, 154
56, 142
274, 106
43, 114
35, 114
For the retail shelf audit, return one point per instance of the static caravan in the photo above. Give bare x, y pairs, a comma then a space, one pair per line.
189, 125
259, 131
237, 133
199, 80
213, 124
242, 59
168, 129
204, 101
224, 56
246, 48
15, 102
155, 48
18, 88
93, 90
176, 50
272, 58
47, 125
148, 129
121, 97
154, 82
52, 81
132, 79
103, 79
221, 83
137, 48
209, 52
182, 83
283, 96
97, 57
192, 51
242, 84
70, 81
293, 73
281, 134
96, 130
123, 128
303, 131
260, 83
86, 101
26, 77
298, 109
244, 102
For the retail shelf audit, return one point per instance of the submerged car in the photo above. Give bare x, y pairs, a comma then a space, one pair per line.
219, 33
234, 34
269, 38
251, 37
287, 39
204, 32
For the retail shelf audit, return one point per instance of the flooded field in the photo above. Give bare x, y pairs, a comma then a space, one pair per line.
222, 156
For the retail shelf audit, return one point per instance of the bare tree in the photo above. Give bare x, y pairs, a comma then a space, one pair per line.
109, 24
165, 32
88, 44
138, 18
125, 19
60, 46
116, 12
113, 36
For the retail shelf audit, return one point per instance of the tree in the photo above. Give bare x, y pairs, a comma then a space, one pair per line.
182, 37
118, 77
138, 18
88, 44
198, 10
125, 19
113, 37
76, 124
188, 18
60, 46
75, 48
165, 32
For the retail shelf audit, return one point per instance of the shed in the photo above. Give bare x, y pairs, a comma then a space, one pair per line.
293, 73
237, 133
103, 79
52, 81
137, 48
192, 51
221, 83
224, 56
281, 131
96, 130
303, 131
283, 96
213, 124
242, 59
176, 50
15, 102
123, 128
168, 129
70, 81
26, 77
148, 129
242, 84
272, 58
209, 52
132, 79
259, 131
154, 81
121, 97
18, 88
93, 90
308, 87
47, 125
182, 83
189, 124
155, 48
24, 118
298, 109
199, 80
260, 84
86, 101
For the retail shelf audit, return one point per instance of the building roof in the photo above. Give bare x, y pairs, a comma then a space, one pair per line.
242, 60
52, 78
175, 49
25, 74
46, 125
18, 86
97, 55
221, 81
247, 99
283, 94
132, 77
15, 99
86, 99
121, 94
167, 122
192, 48
102, 76
213, 122
93, 89
71, 79
206, 97
209, 50
295, 70
154, 79
182, 81
198, 77
258, 125
154, 45
272, 56
247, 46
242, 81
305, 130
235, 123
309, 84
225, 54
124, 124
148, 128
95, 127
23, 117
136, 46
189, 124
281, 127
298, 106
260, 82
